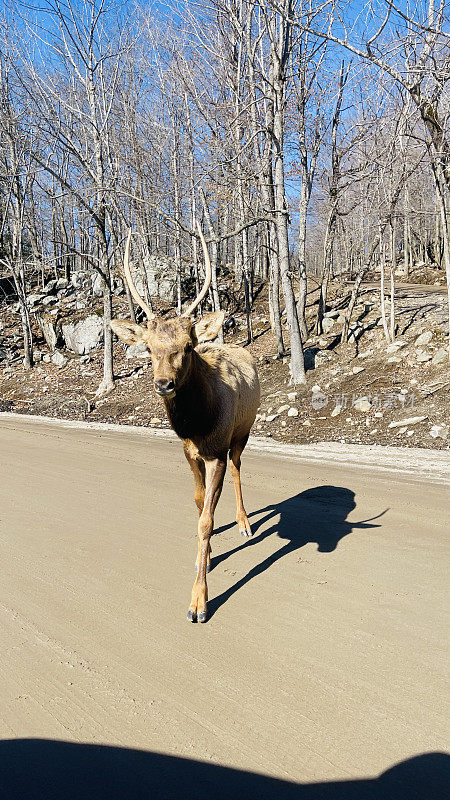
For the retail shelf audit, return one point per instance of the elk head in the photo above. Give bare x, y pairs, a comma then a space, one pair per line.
170, 342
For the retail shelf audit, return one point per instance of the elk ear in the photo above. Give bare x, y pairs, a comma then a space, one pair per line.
208, 326
128, 331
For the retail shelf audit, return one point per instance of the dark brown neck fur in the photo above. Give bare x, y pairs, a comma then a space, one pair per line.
193, 411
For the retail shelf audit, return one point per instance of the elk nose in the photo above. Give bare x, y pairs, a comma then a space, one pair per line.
164, 386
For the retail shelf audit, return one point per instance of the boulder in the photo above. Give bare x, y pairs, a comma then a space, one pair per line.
50, 287
137, 351
439, 431
97, 286
78, 278
83, 336
362, 404
327, 324
161, 278
58, 359
34, 299
50, 331
440, 357
424, 338
422, 357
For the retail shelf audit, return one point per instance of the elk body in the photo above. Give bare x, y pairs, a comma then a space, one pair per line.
211, 395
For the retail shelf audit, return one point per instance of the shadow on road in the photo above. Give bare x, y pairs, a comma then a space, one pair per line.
41, 769
317, 515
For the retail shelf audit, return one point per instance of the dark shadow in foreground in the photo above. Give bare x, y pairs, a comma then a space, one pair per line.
41, 769
316, 515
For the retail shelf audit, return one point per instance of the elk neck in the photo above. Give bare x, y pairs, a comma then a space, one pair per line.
194, 409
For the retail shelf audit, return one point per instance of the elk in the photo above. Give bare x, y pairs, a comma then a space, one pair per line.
211, 394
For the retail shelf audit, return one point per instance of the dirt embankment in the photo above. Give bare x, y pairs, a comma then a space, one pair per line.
368, 391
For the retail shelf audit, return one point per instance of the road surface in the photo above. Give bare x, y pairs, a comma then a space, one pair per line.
325, 656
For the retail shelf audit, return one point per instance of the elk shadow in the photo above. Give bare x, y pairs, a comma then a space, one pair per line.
317, 515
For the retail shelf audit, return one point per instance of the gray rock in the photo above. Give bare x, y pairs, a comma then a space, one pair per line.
394, 346
293, 412
97, 286
362, 404
441, 356
49, 300
49, 331
161, 277
34, 299
422, 356
327, 324
321, 358
83, 336
137, 351
50, 287
46, 358
409, 421
77, 279
357, 370
59, 359
62, 283
439, 431
424, 338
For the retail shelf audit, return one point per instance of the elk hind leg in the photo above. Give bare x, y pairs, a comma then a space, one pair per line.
235, 467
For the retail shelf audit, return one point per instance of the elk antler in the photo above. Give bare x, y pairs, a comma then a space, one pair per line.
208, 275
129, 280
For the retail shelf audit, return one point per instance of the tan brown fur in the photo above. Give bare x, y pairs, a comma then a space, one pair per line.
211, 407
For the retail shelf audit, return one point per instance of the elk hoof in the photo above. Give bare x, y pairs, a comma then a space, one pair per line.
244, 528
202, 616
192, 616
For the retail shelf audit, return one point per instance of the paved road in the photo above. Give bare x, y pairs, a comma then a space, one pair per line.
324, 658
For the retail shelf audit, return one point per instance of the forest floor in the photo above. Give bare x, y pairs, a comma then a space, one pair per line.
365, 392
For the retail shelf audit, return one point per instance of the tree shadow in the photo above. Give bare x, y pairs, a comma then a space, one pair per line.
42, 769
317, 515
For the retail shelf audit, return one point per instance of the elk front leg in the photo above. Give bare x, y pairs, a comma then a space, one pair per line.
198, 470
235, 467
214, 475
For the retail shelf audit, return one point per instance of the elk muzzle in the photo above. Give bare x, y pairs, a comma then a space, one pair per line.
165, 387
